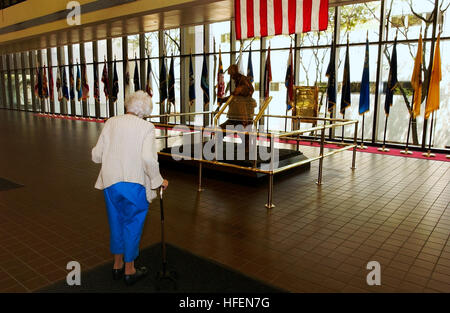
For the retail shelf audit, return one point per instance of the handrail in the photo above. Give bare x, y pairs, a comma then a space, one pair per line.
216, 118
262, 110
178, 114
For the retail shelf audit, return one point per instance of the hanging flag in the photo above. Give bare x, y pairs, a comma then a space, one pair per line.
149, 81
240, 62
65, 87
84, 82
78, 86
71, 83
267, 76
44, 84
205, 82
163, 82
346, 98
59, 85
37, 89
171, 98
137, 85
96, 83
364, 93
416, 80
289, 81
192, 81
105, 81
433, 97
256, 18
115, 87
126, 79
220, 78
331, 74
392, 80
50, 83
250, 66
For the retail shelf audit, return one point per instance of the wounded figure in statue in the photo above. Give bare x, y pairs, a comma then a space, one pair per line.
242, 107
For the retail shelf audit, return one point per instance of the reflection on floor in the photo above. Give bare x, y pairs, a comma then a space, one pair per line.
318, 239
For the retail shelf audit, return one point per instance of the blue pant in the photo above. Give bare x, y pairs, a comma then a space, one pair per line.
127, 208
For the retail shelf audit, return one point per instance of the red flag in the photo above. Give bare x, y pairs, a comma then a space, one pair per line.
44, 84
289, 81
267, 75
84, 82
105, 81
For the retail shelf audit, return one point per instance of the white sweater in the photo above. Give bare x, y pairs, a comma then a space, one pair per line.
126, 149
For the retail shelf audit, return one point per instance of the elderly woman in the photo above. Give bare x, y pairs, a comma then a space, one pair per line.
128, 177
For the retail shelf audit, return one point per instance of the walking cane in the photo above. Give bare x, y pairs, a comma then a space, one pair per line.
164, 274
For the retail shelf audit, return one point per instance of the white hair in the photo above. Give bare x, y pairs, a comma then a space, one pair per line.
139, 103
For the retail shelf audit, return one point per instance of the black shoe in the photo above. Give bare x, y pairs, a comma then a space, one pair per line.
132, 279
117, 274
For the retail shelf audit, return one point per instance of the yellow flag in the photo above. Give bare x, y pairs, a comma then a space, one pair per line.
416, 80
436, 76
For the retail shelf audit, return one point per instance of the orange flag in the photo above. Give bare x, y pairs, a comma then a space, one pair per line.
416, 80
436, 77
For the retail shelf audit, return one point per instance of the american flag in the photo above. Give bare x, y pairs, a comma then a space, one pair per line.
261, 18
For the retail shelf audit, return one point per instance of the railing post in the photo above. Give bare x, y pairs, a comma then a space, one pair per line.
355, 143
200, 164
269, 203
322, 141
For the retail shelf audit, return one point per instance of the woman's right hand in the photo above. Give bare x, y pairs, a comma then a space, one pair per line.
165, 184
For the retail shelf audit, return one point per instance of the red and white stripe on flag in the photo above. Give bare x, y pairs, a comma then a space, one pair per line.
261, 18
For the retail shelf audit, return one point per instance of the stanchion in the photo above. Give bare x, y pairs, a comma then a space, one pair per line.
164, 274
384, 149
269, 203
322, 141
355, 142
362, 146
406, 151
343, 117
428, 154
200, 177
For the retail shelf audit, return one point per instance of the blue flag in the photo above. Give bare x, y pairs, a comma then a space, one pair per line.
364, 94
171, 98
205, 82
346, 99
65, 87
331, 74
191, 82
392, 80
163, 82
250, 66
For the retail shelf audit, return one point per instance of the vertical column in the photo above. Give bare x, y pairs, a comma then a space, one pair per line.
61, 69
2, 82
125, 60
161, 59
184, 72
16, 79
71, 68
23, 58
262, 60
336, 37
83, 61
99, 75
50, 68
109, 57
379, 71
32, 64
208, 49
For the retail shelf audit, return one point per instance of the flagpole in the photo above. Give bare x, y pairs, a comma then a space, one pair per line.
428, 154
384, 149
406, 151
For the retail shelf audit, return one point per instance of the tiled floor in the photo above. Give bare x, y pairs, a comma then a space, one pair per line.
318, 239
